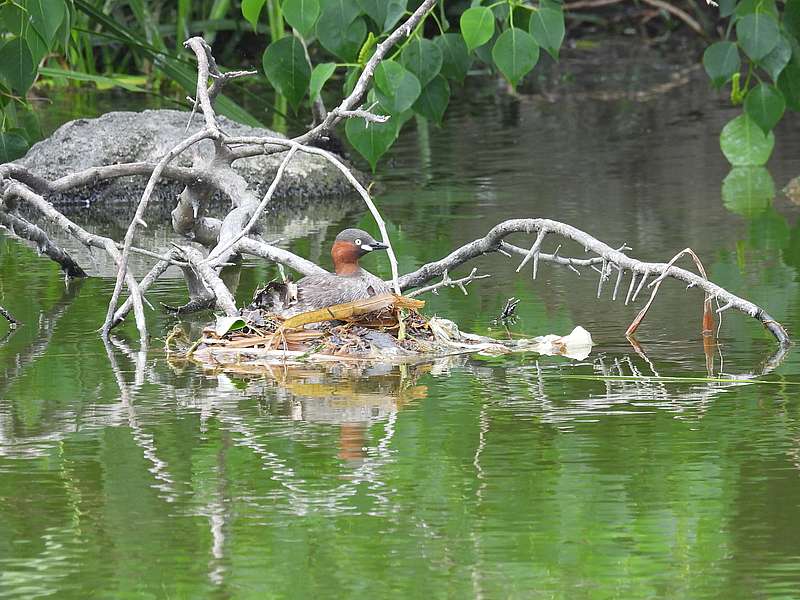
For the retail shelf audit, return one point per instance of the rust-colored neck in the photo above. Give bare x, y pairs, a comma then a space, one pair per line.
345, 258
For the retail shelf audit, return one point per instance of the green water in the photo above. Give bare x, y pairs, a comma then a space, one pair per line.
123, 475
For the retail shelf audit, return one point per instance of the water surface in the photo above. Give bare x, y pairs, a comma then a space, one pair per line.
505, 477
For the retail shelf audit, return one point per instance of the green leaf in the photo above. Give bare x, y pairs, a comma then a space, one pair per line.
16, 65
757, 34
748, 191
339, 31
12, 146
371, 140
774, 62
46, 17
547, 29
721, 61
791, 18
515, 53
764, 104
287, 69
225, 324
395, 9
456, 60
251, 10
301, 14
477, 26
433, 99
423, 58
385, 13
789, 83
744, 144
397, 88
321, 73
749, 7
36, 44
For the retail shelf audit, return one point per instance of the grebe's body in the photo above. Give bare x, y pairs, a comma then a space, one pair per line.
349, 283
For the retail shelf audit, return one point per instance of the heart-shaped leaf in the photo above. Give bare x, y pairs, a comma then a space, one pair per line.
477, 26
515, 53
423, 58
339, 29
16, 65
757, 34
456, 60
744, 144
371, 140
251, 11
775, 62
287, 68
225, 324
721, 61
547, 28
301, 14
397, 88
764, 104
433, 99
46, 17
385, 13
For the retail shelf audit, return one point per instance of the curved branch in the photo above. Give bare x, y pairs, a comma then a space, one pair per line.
492, 242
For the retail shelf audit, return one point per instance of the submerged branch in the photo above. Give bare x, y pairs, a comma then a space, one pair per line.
12, 322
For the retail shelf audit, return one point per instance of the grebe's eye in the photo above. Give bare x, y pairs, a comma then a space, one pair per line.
358, 242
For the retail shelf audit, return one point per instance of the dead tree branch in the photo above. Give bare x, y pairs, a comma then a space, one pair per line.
26, 230
447, 282
493, 242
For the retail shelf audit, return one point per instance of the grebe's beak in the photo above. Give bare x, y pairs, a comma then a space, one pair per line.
376, 245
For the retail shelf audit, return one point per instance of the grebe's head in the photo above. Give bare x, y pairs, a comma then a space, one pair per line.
349, 246
363, 242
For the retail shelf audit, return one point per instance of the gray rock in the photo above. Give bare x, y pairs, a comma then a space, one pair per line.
119, 137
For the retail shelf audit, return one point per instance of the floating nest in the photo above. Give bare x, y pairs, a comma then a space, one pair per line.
384, 328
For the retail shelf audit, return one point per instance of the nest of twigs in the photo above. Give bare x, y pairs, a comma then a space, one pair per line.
386, 328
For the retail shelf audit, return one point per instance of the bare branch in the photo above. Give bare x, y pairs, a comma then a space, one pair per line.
137, 220
279, 255
359, 113
492, 241
219, 254
210, 279
533, 253
28, 231
155, 272
447, 282
352, 101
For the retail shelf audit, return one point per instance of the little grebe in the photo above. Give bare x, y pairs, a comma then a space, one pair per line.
349, 283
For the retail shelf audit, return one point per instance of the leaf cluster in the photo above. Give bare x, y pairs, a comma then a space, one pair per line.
416, 79
760, 60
